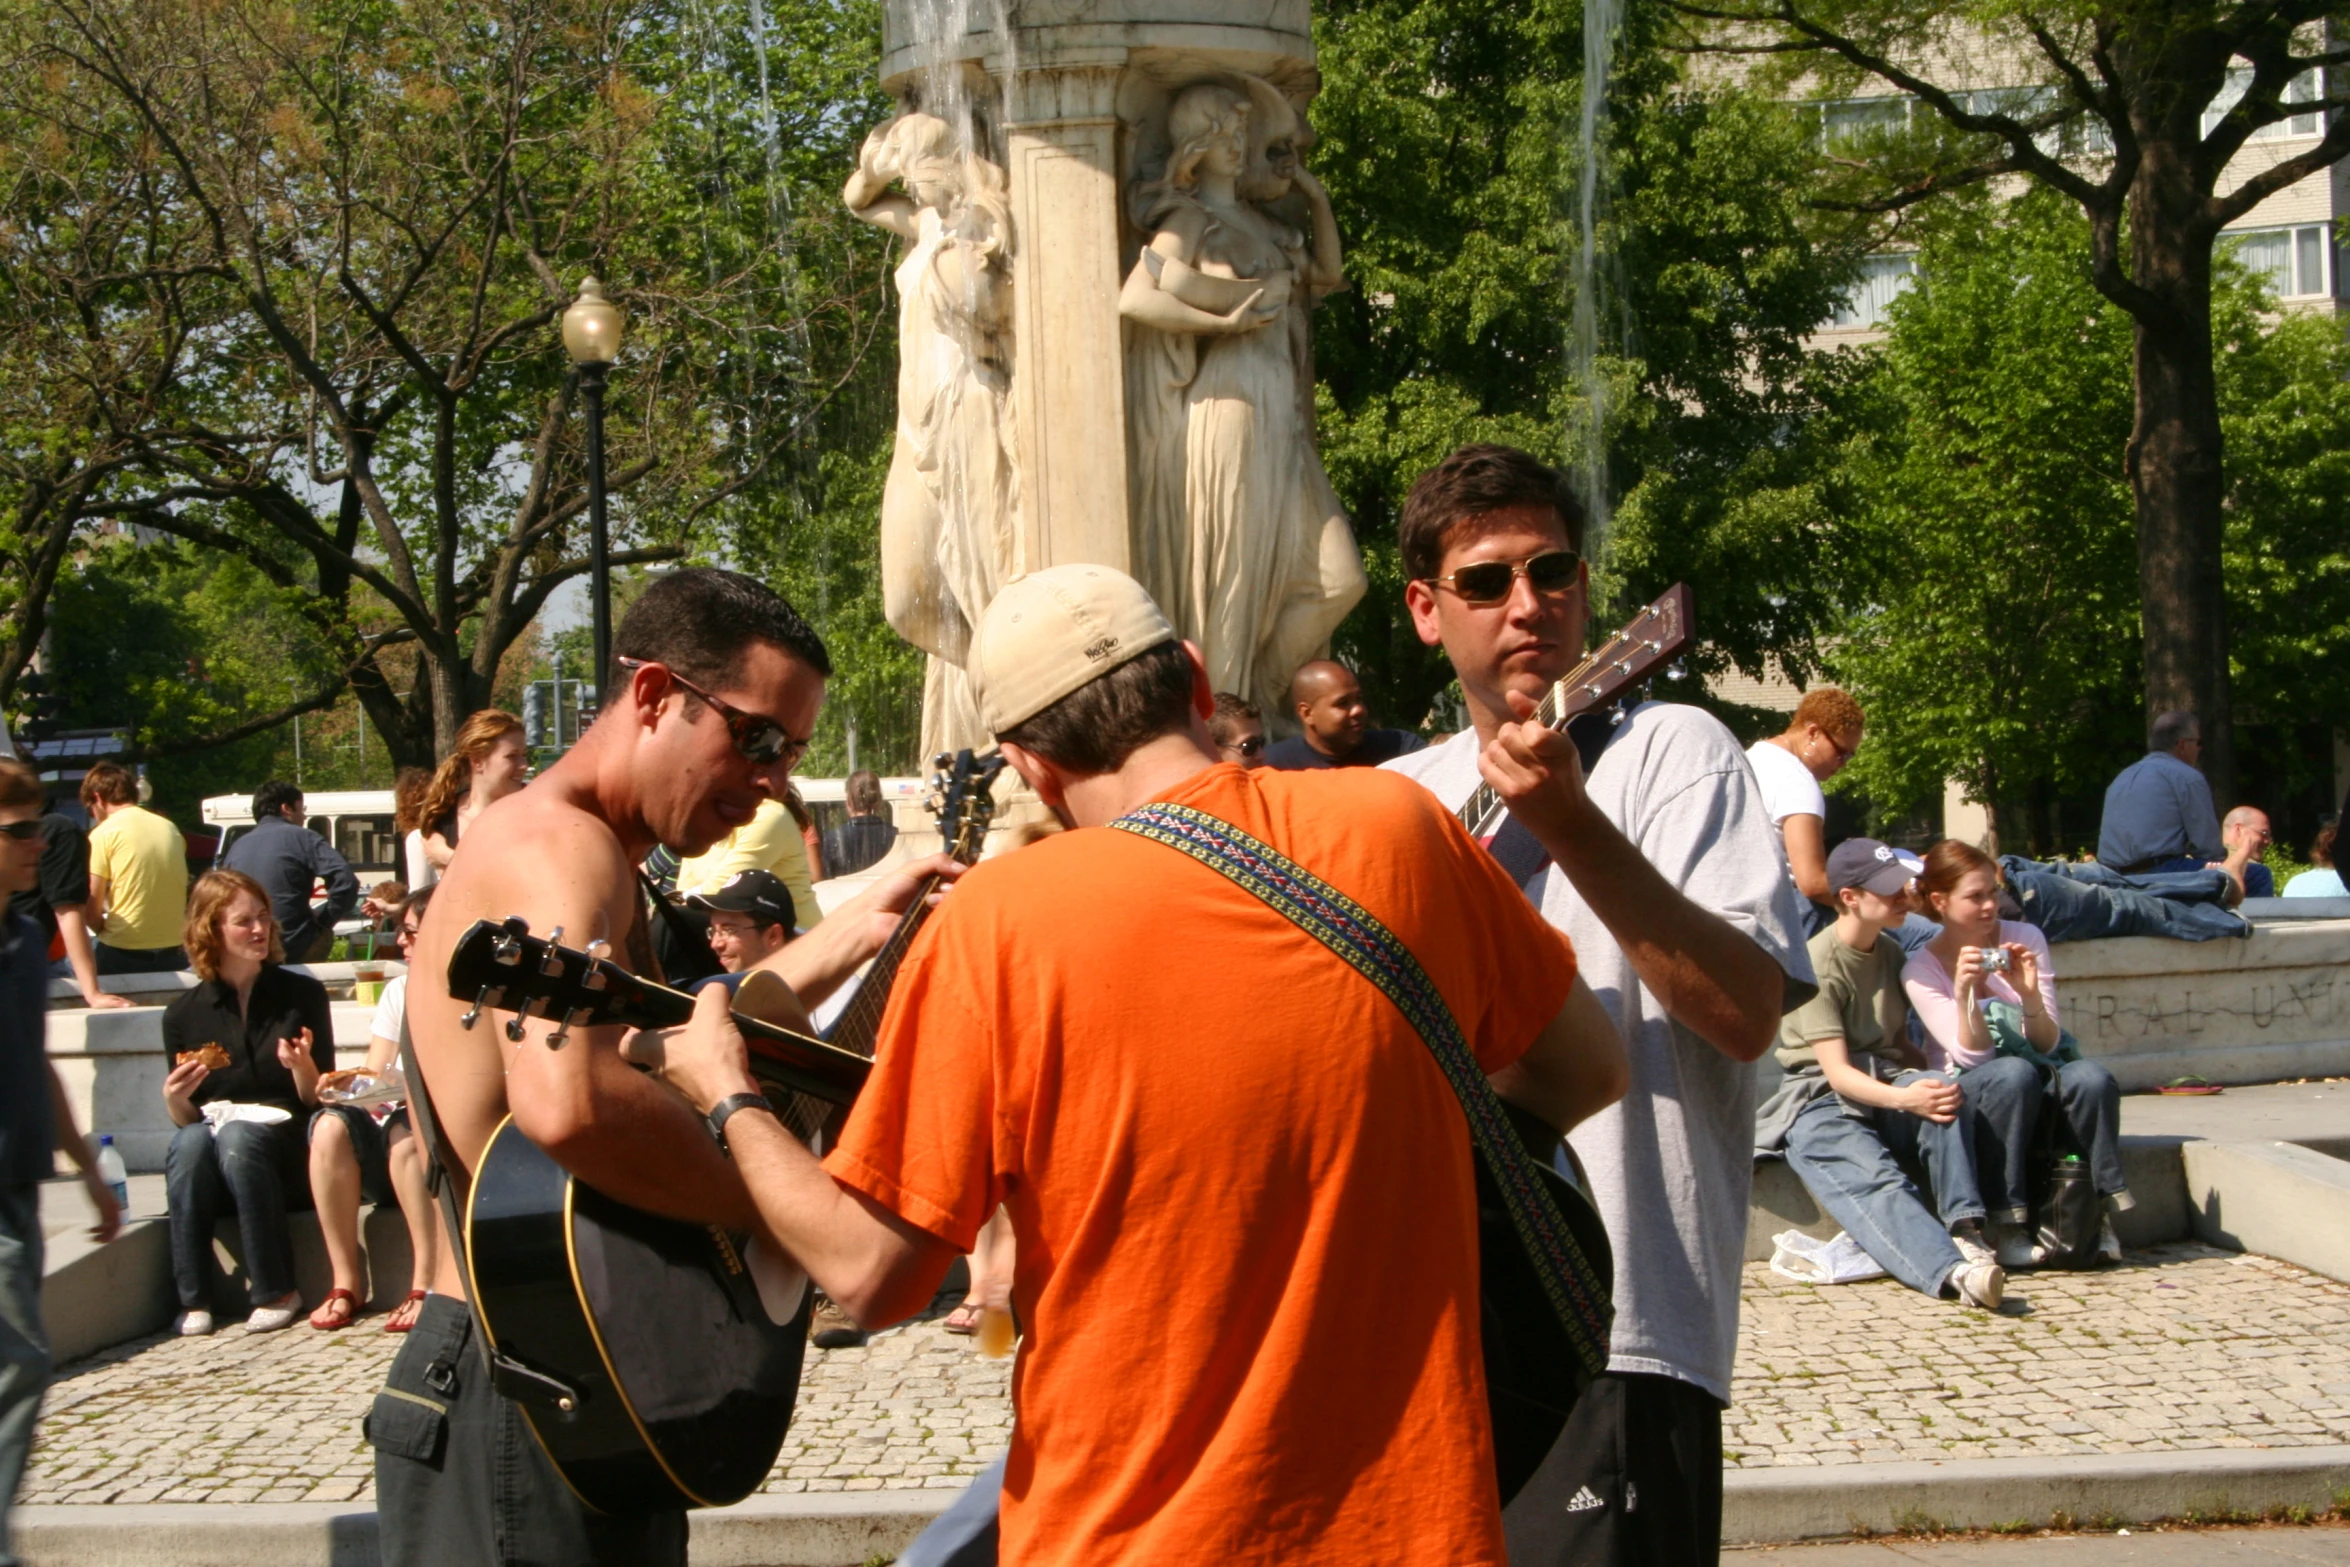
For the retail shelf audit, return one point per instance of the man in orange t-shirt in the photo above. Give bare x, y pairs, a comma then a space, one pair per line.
1162, 1078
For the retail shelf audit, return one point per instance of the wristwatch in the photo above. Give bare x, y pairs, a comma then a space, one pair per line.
723, 1111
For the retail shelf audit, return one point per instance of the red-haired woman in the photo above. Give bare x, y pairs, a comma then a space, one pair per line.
1953, 982
242, 1117
491, 761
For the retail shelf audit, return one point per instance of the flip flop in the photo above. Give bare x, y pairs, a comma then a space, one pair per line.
409, 1309
2190, 1084
350, 1311
964, 1319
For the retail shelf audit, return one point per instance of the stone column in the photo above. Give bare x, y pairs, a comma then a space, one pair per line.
1069, 384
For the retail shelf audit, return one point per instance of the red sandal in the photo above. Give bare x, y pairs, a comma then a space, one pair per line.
404, 1315
350, 1311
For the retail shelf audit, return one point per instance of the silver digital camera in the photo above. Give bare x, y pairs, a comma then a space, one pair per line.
1994, 959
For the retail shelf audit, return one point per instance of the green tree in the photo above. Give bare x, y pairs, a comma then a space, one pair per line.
2135, 111
366, 219
1988, 557
1447, 143
1986, 550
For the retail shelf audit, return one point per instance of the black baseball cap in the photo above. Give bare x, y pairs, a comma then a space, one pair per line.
760, 894
1871, 866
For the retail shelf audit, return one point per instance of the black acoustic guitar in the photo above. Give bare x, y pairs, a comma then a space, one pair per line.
1532, 1375
657, 1361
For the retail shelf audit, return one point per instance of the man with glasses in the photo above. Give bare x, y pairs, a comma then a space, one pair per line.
1334, 724
711, 699
1238, 728
1661, 867
1790, 768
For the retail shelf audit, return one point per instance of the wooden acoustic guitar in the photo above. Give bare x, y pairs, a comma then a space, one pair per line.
1532, 1374
658, 1361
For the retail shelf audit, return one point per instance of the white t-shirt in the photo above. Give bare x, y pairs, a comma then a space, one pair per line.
421, 873
1788, 788
389, 1007
1671, 1164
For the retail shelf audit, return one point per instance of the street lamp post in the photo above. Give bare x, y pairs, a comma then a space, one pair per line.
591, 335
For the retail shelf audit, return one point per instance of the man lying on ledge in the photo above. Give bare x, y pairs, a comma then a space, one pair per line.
1314, 1394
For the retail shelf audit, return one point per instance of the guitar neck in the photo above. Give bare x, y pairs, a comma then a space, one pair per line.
1555, 712
858, 1028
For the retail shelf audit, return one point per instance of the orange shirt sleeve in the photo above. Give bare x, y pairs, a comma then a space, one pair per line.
921, 1140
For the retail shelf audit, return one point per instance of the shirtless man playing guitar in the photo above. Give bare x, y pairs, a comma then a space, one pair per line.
714, 691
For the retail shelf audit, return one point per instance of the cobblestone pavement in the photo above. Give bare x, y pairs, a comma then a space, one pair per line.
2182, 1347
2185, 1347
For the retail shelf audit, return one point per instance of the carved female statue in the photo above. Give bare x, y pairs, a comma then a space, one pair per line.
949, 510
1237, 531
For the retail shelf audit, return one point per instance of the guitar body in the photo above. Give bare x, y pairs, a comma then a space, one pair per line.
1532, 1377
680, 1383
651, 1365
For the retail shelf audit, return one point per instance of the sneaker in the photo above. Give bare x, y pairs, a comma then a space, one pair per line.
192, 1324
829, 1327
1982, 1284
2013, 1247
279, 1314
2109, 1245
1967, 1236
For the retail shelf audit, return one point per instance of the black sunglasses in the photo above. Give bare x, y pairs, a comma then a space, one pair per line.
756, 736
1246, 745
1488, 581
21, 831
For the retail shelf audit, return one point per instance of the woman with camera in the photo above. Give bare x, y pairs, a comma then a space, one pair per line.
1985, 992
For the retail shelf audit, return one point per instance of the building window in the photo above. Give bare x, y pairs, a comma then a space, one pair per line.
1844, 122
2295, 263
2308, 87
1883, 279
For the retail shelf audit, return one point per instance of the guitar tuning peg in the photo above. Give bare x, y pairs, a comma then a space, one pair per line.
521, 1019
562, 1034
1676, 671
473, 1013
598, 950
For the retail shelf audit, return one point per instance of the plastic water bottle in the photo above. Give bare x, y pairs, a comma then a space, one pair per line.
110, 1169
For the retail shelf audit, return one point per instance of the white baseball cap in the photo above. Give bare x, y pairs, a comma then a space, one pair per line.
1051, 631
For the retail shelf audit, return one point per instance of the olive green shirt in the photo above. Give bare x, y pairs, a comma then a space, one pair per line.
1860, 1001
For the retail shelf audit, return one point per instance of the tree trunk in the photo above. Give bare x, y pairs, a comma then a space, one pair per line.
2175, 474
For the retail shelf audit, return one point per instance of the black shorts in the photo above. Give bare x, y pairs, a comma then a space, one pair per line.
1635, 1481
459, 1478
372, 1143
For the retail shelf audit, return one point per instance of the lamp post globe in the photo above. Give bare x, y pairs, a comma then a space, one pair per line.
592, 329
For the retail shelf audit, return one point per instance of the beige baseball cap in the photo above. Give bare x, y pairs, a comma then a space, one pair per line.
1051, 631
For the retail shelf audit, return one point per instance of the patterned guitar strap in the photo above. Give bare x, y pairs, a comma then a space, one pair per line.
1352, 932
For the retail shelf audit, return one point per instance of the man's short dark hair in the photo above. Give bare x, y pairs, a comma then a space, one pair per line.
273, 797
1097, 726
1231, 710
111, 782
700, 622
2173, 727
1474, 480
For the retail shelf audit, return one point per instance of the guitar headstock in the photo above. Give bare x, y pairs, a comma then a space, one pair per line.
502, 966
1654, 638
962, 798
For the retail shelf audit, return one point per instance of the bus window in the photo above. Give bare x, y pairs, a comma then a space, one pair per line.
369, 843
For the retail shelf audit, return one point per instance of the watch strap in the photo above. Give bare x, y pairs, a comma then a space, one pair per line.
723, 1111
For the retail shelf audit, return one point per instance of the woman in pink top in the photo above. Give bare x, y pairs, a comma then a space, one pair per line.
1951, 982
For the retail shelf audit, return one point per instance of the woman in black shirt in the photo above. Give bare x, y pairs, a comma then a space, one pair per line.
278, 1036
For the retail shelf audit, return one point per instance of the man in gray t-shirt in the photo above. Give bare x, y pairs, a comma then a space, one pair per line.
1664, 871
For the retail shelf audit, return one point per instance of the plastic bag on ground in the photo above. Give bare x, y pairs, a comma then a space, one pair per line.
1810, 1260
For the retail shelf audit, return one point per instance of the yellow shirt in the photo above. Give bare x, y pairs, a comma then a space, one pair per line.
770, 841
144, 862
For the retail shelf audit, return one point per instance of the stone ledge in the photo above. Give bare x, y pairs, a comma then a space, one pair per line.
1760, 1506
1772, 1506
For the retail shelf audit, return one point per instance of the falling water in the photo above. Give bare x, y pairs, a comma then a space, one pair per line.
941, 30
1601, 21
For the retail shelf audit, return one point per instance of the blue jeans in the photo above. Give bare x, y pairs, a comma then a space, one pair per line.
24, 1346
2007, 1094
250, 1168
1849, 1165
965, 1534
